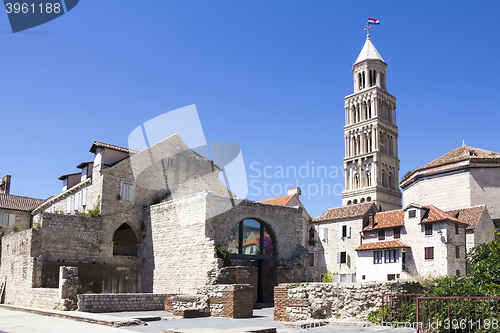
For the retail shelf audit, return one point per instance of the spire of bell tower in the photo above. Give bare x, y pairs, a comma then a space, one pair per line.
371, 160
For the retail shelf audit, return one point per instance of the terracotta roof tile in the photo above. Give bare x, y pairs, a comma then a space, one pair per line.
16, 202
344, 212
436, 215
469, 215
393, 244
279, 201
97, 144
388, 219
461, 154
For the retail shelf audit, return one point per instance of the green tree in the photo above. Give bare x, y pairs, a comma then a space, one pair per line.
482, 280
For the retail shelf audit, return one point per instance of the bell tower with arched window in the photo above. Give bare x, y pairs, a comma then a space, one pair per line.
371, 160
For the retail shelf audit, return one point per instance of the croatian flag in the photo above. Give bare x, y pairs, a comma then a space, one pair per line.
373, 21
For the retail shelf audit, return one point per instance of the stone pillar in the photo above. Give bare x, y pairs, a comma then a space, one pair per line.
68, 287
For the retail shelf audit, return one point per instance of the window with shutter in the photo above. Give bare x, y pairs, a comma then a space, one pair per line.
68, 204
381, 234
127, 191
397, 232
377, 257
324, 259
8, 219
84, 197
324, 234
428, 229
429, 252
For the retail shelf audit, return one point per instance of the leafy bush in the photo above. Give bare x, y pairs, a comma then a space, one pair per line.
223, 253
328, 277
95, 212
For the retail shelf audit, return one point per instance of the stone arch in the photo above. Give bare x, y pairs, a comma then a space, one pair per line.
246, 235
125, 241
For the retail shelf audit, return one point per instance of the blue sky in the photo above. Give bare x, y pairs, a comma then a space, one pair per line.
269, 76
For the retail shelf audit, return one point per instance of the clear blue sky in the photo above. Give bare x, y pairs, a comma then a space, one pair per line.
269, 76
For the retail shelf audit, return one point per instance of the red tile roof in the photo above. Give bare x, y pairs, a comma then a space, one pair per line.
461, 154
97, 144
279, 201
388, 219
393, 244
15, 202
435, 214
469, 215
344, 212
450, 159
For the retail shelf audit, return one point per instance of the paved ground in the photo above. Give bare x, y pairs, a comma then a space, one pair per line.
14, 321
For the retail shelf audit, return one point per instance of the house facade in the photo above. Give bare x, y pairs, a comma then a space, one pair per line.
462, 178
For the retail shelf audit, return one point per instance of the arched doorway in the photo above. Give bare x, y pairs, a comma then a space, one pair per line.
253, 244
125, 241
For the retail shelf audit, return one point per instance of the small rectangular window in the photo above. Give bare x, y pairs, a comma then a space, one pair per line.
391, 256
343, 257
344, 231
391, 277
397, 232
127, 191
457, 229
311, 259
412, 213
457, 252
381, 234
428, 229
170, 162
377, 257
429, 252
457, 272
8, 219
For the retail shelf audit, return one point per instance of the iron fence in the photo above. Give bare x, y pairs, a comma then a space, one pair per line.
399, 308
457, 314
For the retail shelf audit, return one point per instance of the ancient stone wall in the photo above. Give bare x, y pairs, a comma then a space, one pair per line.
303, 301
69, 238
121, 302
183, 257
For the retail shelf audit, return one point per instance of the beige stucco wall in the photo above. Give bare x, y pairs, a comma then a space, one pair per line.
449, 191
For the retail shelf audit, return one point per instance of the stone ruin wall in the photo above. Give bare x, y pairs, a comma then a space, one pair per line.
302, 301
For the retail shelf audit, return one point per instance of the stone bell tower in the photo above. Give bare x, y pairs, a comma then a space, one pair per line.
371, 160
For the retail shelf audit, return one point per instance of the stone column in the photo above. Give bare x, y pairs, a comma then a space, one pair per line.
68, 287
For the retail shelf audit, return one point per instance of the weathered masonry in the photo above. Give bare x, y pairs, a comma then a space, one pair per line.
149, 222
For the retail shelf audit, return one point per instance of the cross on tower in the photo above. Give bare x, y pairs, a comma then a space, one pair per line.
367, 28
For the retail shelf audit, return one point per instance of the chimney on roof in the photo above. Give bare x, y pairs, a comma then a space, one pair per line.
294, 190
371, 221
5, 185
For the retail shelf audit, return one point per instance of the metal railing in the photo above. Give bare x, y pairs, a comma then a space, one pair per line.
457, 314
400, 308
